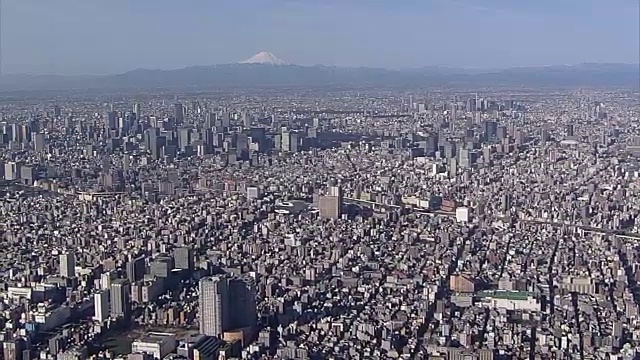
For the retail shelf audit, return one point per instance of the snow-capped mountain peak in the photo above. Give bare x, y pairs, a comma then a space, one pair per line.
264, 58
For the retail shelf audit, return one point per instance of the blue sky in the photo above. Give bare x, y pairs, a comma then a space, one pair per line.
98, 36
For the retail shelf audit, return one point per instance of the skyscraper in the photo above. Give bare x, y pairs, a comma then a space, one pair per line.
39, 142
242, 293
105, 280
569, 130
226, 303
184, 138
183, 258
11, 171
285, 140
162, 266
136, 269
111, 120
214, 296
137, 109
68, 265
465, 158
490, 129
246, 120
101, 305
330, 206
178, 113
121, 298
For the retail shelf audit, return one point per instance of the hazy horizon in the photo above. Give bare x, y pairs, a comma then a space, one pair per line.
72, 37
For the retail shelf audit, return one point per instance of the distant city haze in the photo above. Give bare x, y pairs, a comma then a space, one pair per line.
108, 37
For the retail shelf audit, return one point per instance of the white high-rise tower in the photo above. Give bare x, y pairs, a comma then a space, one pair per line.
68, 265
214, 307
101, 305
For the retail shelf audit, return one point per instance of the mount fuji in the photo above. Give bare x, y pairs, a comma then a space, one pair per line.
265, 58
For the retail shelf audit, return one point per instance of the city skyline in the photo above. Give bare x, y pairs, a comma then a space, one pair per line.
71, 38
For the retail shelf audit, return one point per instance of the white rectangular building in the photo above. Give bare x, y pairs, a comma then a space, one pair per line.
158, 345
462, 214
101, 306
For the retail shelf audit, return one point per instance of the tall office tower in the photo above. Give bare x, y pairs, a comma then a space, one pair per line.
432, 144
330, 206
34, 125
137, 110
510, 104
183, 258
101, 305
68, 265
111, 120
453, 167
520, 137
465, 158
285, 141
450, 150
149, 137
486, 155
178, 113
136, 269
506, 202
213, 301
27, 175
544, 136
294, 141
242, 142
162, 266
569, 130
184, 138
25, 133
39, 142
156, 143
335, 191
604, 137
121, 298
225, 119
105, 280
57, 111
16, 133
501, 132
472, 104
242, 294
246, 120
210, 120
11, 171
257, 134
490, 129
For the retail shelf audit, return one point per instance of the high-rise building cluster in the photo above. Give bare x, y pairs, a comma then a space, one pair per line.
226, 303
375, 223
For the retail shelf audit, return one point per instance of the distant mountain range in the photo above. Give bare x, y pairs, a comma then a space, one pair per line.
267, 70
